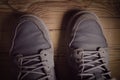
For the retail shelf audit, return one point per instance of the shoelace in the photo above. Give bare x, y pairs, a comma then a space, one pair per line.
33, 64
91, 65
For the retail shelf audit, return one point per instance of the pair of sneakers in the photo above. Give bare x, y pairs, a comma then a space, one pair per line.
33, 55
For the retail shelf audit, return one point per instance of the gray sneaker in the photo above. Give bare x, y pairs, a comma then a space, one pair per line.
88, 56
32, 50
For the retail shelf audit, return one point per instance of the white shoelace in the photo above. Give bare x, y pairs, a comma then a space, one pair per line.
33, 64
91, 65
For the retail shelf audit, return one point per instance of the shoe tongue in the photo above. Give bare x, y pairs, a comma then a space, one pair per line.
97, 71
98, 75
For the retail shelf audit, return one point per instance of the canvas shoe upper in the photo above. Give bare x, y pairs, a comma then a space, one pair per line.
32, 50
88, 56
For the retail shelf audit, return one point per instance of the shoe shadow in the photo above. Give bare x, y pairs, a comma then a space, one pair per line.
7, 24
61, 61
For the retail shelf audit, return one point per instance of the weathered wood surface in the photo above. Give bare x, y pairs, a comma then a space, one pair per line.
53, 13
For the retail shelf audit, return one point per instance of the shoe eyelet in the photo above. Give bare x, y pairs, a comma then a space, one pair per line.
78, 53
77, 60
48, 67
45, 54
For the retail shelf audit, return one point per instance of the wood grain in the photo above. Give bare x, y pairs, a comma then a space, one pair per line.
53, 13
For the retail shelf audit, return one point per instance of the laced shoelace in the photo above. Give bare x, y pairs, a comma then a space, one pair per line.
33, 64
91, 65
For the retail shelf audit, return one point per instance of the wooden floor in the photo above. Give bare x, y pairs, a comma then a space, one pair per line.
55, 13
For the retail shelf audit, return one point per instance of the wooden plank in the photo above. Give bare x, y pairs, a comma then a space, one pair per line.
33, 1
109, 7
24, 6
58, 38
6, 29
114, 63
3, 1
110, 23
55, 21
100, 9
112, 32
53, 14
115, 70
112, 36
5, 8
114, 56
73, 5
